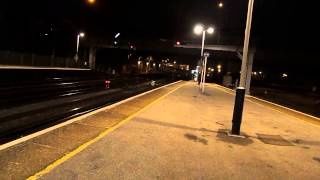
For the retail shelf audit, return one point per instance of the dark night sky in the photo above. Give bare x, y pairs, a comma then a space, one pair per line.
279, 27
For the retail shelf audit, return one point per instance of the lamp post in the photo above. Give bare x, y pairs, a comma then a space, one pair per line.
147, 67
80, 35
200, 29
240, 92
205, 55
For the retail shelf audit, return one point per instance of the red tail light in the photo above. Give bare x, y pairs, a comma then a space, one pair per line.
107, 84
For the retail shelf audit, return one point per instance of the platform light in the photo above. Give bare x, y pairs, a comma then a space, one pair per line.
91, 1
81, 34
117, 35
198, 29
210, 30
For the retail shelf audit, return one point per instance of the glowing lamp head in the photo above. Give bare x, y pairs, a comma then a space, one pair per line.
210, 30
81, 34
198, 29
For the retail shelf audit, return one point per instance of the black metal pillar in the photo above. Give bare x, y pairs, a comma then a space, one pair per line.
238, 109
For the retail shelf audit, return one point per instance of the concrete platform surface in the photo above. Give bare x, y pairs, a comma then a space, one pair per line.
28, 155
183, 136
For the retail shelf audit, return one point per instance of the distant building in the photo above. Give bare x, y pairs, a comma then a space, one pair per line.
184, 67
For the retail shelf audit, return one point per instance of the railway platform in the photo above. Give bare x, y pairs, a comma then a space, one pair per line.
172, 132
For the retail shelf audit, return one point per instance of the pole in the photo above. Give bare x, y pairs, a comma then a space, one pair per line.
240, 92
78, 42
77, 50
246, 45
205, 73
201, 79
202, 60
203, 39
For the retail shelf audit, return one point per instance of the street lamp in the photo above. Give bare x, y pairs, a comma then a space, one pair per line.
117, 35
220, 4
210, 30
147, 67
80, 35
200, 29
284, 75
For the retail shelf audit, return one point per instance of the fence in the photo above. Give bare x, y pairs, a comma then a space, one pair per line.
21, 59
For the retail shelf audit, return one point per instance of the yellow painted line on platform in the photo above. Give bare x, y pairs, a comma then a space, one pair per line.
311, 122
47, 130
226, 90
100, 136
295, 111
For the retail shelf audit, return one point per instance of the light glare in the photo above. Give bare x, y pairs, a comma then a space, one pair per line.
91, 1
210, 30
198, 29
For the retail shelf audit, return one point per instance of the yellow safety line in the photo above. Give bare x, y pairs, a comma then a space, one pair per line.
222, 89
76, 119
100, 136
311, 122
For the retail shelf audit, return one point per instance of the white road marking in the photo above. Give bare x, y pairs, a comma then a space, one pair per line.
36, 134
